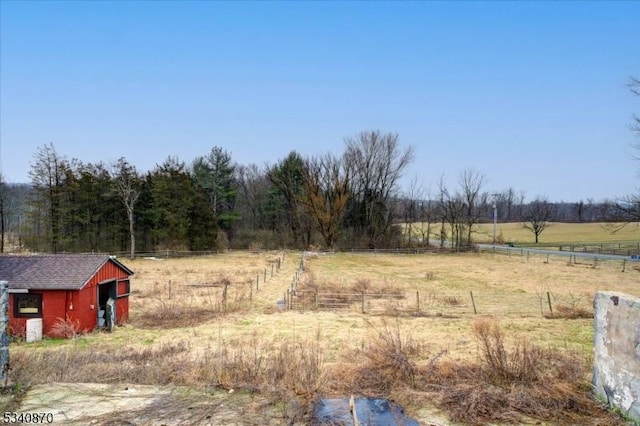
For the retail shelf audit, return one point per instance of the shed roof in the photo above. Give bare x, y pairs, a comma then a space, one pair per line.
53, 271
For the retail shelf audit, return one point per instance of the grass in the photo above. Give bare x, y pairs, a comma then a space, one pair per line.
570, 233
563, 234
555, 234
179, 334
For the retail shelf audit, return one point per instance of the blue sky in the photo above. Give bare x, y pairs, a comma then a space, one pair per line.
532, 95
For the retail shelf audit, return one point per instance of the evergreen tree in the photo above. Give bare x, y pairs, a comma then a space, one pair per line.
215, 175
287, 195
47, 175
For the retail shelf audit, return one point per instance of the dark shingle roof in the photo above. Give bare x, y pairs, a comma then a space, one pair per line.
53, 271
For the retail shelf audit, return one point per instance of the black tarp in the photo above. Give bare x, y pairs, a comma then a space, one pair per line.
369, 411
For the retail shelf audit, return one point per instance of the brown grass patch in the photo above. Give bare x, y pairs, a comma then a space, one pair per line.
192, 306
386, 362
281, 369
161, 364
509, 385
562, 311
452, 300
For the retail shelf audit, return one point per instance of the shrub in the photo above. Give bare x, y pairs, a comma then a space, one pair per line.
513, 383
520, 364
387, 362
65, 328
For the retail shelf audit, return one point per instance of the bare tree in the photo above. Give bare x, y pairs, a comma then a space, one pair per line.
621, 213
411, 204
538, 216
634, 87
451, 207
627, 209
376, 163
427, 214
126, 182
253, 188
579, 209
475, 201
326, 182
506, 200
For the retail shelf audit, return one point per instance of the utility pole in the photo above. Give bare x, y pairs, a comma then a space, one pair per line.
495, 216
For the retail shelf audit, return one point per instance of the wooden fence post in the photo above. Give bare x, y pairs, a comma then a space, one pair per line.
257, 281
473, 302
224, 297
418, 301
250, 292
362, 302
624, 264
272, 270
353, 411
549, 302
316, 298
265, 275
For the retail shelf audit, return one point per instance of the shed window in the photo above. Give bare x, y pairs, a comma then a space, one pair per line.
123, 288
28, 305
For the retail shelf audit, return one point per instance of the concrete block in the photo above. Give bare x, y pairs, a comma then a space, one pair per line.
616, 372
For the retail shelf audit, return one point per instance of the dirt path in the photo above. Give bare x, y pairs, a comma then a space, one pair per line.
99, 404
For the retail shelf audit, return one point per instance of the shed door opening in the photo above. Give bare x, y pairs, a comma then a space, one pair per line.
106, 310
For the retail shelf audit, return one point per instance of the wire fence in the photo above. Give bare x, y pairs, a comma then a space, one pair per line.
617, 249
172, 254
223, 295
421, 302
586, 259
451, 304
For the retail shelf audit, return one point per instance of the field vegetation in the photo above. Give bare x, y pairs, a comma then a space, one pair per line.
212, 323
554, 235
567, 234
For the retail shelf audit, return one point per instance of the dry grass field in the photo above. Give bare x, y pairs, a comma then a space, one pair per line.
427, 349
564, 233
555, 234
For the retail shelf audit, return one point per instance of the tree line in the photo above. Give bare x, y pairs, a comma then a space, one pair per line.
211, 203
329, 201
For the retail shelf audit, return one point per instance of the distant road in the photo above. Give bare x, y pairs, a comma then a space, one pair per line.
585, 255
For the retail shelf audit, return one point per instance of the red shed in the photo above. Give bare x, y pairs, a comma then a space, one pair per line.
86, 290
